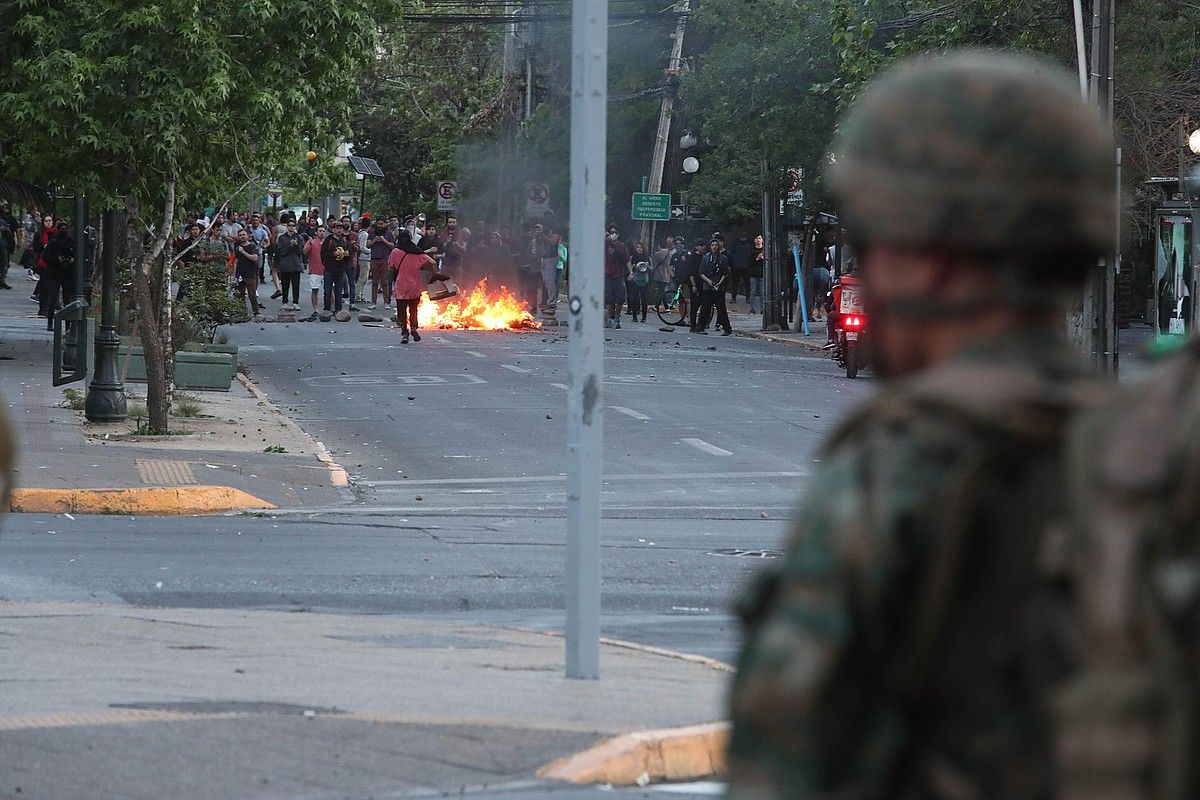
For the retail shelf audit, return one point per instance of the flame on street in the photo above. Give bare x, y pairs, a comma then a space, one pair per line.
480, 310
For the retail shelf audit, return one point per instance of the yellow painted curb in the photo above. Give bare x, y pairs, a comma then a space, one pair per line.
143, 501
641, 757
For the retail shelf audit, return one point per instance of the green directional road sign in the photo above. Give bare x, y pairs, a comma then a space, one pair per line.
648, 206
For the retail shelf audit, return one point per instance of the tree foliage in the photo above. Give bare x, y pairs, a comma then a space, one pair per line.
751, 98
438, 105
415, 102
776, 74
153, 104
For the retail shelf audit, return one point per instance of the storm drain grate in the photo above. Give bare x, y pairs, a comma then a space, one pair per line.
741, 553
162, 472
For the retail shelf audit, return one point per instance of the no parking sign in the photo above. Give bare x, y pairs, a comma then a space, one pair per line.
537, 200
447, 195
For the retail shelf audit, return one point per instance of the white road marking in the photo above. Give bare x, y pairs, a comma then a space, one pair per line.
389, 379
512, 368
711, 449
475, 353
689, 476
562, 386
776, 513
629, 412
700, 787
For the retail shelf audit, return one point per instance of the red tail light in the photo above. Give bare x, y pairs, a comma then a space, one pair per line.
853, 322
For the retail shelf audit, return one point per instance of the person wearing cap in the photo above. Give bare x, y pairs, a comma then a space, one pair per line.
380, 242
337, 255
713, 279
909, 642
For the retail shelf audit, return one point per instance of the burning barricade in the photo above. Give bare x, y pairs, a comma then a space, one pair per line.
478, 310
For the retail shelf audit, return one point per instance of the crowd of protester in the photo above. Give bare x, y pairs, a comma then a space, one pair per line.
335, 264
47, 252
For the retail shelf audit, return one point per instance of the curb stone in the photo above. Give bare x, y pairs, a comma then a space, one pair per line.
642, 757
815, 347
338, 477
138, 501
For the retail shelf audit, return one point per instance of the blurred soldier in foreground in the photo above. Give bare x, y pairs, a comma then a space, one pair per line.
1132, 712
907, 645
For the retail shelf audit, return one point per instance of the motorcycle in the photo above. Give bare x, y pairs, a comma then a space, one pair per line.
848, 324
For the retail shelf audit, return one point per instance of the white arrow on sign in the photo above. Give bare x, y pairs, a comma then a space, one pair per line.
677, 212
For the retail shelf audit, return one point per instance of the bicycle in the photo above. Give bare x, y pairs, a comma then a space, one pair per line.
672, 307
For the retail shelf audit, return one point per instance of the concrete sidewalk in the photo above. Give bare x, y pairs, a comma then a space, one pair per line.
57, 450
122, 702
747, 324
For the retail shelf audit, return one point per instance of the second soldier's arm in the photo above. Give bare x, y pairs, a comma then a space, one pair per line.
815, 702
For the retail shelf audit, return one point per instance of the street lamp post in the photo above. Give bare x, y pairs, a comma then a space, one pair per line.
1191, 188
77, 331
106, 394
585, 408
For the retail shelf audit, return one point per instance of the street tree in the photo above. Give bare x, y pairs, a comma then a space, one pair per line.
416, 101
751, 99
156, 105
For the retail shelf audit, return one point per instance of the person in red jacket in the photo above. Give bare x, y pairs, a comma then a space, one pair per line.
40, 239
410, 284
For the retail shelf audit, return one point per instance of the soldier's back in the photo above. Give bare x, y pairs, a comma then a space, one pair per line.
906, 646
1130, 718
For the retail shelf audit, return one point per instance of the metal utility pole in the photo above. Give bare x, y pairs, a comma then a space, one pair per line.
774, 313
528, 35
585, 440
1080, 54
106, 394
76, 331
1099, 301
658, 161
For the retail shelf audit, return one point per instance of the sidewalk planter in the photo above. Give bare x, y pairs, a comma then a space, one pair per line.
193, 370
230, 350
201, 347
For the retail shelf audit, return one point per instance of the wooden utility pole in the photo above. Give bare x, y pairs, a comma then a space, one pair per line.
658, 161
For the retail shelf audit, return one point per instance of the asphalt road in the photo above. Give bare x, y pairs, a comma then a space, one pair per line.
456, 450
459, 492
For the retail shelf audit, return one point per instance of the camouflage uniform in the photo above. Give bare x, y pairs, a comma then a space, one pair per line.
1131, 715
907, 645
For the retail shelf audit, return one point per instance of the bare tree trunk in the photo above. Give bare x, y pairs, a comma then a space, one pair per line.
167, 331
154, 309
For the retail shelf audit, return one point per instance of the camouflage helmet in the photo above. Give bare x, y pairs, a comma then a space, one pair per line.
980, 151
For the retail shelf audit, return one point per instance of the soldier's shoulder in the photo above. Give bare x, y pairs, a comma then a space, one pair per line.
1134, 439
1023, 399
